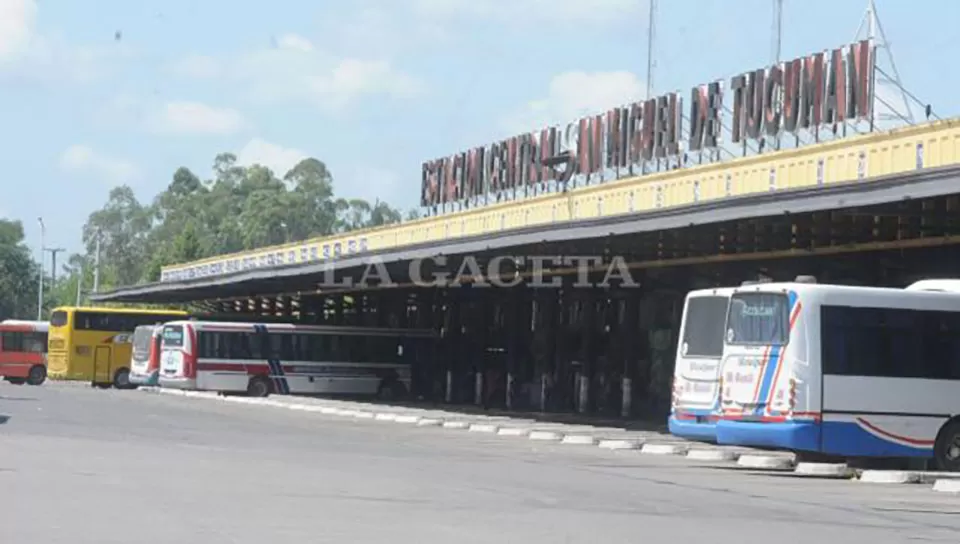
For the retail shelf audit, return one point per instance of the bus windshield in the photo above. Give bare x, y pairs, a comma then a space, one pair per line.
703, 326
58, 318
758, 318
142, 337
173, 336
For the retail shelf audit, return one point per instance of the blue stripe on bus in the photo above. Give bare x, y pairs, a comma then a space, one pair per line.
768, 374
774, 361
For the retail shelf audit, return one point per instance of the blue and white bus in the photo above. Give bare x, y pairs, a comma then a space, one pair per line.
843, 371
695, 401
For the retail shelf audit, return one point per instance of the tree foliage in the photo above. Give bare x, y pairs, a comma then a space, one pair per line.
240, 208
18, 274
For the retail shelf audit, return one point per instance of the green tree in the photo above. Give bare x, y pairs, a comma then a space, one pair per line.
240, 208
18, 274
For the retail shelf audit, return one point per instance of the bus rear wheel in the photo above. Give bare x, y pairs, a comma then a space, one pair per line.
259, 386
946, 450
37, 375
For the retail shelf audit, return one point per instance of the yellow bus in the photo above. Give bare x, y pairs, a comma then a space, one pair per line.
95, 344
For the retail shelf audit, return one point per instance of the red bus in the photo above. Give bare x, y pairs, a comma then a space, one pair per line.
23, 351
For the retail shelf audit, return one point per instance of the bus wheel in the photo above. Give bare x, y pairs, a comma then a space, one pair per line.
391, 389
121, 380
37, 375
946, 451
259, 386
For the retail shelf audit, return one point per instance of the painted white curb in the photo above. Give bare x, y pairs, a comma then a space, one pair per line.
545, 435
767, 462
579, 439
663, 449
712, 455
889, 477
456, 424
620, 444
360, 414
386, 416
329, 410
484, 428
429, 422
824, 470
513, 431
947, 486
410, 419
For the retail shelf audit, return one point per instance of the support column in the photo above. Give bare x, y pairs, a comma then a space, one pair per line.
630, 329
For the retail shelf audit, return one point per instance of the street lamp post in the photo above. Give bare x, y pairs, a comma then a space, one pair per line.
40, 286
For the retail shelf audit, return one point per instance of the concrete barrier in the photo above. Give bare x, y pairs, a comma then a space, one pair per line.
456, 424
513, 431
889, 477
947, 486
484, 428
545, 435
664, 449
824, 470
429, 422
765, 462
620, 444
579, 440
712, 455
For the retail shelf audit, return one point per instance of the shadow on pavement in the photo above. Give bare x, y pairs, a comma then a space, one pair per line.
4, 419
19, 399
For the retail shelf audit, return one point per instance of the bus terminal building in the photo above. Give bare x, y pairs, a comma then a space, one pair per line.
554, 264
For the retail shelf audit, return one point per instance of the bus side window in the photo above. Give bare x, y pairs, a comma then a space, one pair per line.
11, 341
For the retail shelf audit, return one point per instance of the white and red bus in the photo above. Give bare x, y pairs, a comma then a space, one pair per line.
23, 351
261, 359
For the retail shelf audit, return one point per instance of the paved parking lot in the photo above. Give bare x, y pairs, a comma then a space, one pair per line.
80, 465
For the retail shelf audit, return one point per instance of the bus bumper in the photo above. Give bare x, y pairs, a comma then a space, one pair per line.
692, 428
788, 435
177, 383
151, 379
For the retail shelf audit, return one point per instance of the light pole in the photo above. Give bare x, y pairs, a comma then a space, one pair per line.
40, 286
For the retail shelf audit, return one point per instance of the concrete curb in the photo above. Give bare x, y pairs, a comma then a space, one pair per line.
513, 431
545, 436
617, 444
712, 455
889, 477
765, 462
408, 419
386, 416
663, 449
824, 470
483, 428
429, 422
360, 414
456, 424
947, 486
579, 440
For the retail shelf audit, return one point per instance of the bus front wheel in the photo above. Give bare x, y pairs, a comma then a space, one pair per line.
259, 386
37, 375
946, 450
121, 380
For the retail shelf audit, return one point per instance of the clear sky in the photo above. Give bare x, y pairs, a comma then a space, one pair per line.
371, 87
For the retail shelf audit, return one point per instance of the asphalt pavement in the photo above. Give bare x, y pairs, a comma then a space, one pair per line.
79, 465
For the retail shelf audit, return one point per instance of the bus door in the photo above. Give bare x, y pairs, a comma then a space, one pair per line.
101, 365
